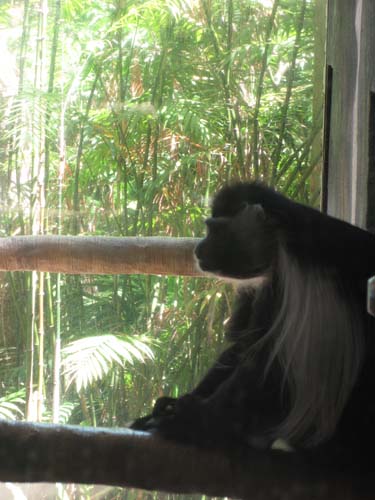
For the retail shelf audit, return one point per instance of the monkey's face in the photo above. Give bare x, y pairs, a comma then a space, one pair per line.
240, 246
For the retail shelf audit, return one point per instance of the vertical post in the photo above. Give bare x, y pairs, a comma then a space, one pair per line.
370, 222
351, 54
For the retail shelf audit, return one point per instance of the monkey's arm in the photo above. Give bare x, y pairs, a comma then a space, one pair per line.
221, 370
241, 408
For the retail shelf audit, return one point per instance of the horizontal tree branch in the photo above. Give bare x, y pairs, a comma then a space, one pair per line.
99, 255
50, 453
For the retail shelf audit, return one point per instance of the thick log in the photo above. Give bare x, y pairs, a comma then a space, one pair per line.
50, 453
99, 255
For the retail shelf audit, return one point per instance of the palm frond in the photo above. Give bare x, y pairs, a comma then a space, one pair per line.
10, 405
91, 358
65, 412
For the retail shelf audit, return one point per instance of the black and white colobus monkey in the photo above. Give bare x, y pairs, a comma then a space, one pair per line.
301, 361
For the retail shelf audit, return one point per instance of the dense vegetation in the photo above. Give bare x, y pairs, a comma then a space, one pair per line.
122, 118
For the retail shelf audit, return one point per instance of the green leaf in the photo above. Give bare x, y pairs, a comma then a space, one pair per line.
89, 359
10, 405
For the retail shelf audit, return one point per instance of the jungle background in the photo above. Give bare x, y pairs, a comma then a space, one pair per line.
123, 117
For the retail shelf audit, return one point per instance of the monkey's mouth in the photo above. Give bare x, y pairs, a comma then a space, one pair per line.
202, 266
233, 276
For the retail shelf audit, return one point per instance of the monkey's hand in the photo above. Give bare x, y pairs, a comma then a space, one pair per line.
187, 420
164, 406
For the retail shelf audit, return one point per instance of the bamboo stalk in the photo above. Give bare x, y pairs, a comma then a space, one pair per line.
259, 91
291, 75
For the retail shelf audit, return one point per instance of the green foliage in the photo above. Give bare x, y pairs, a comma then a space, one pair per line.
10, 405
89, 359
66, 411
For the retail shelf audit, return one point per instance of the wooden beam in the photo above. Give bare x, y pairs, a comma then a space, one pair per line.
99, 255
51, 453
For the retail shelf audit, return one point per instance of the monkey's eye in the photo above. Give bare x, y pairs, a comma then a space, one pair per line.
216, 223
254, 208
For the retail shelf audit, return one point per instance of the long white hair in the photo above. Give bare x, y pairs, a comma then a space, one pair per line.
317, 337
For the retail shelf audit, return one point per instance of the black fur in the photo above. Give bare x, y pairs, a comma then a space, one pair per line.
300, 366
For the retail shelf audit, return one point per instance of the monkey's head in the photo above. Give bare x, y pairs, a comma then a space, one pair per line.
240, 245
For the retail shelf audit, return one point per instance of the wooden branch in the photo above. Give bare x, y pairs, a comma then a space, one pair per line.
50, 453
99, 255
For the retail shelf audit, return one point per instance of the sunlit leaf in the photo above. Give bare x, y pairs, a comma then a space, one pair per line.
10, 405
89, 359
